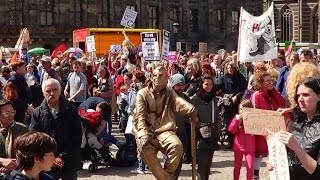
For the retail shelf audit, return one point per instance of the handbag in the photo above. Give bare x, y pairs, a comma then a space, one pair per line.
227, 100
206, 130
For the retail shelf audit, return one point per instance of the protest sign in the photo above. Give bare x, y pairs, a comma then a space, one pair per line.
128, 18
91, 45
257, 41
115, 48
278, 158
172, 56
165, 44
150, 46
257, 121
203, 48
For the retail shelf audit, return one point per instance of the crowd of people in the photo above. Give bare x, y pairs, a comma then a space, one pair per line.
41, 130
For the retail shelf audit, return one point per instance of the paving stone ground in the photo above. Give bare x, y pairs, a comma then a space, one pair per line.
221, 168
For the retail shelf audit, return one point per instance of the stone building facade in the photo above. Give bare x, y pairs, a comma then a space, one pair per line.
190, 21
297, 19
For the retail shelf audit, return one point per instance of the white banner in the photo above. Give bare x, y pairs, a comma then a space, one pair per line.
278, 158
257, 41
128, 18
91, 45
165, 44
150, 46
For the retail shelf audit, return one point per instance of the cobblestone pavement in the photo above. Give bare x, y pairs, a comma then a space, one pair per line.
221, 168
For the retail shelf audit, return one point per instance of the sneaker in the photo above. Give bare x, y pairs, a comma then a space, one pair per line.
140, 171
137, 171
255, 177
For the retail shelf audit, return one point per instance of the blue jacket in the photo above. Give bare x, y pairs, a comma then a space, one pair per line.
282, 79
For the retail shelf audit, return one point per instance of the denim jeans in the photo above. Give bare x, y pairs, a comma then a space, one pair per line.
109, 126
141, 165
107, 137
123, 114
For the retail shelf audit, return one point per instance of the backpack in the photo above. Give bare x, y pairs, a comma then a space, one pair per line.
127, 154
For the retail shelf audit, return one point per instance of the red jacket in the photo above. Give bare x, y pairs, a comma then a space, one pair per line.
272, 100
242, 142
119, 80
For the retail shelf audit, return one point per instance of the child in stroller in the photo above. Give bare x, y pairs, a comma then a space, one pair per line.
93, 146
96, 148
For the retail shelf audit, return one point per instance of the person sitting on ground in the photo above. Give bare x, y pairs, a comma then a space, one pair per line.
35, 155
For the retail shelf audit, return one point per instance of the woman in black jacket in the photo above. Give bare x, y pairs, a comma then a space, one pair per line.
210, 125
303, 134
231, 85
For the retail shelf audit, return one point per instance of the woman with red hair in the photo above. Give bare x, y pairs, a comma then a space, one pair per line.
207, 70
10, 94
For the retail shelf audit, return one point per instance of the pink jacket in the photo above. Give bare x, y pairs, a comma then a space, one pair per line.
272, 100
242, 142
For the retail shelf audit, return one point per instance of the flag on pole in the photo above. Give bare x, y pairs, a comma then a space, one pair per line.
60, 49
289, 50
14, 58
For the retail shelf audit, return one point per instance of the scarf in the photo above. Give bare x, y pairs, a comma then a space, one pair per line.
7, 139
205, 96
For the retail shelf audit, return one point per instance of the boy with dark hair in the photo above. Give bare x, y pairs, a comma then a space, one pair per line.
35, 154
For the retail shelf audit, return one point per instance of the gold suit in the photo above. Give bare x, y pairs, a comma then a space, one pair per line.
154, 116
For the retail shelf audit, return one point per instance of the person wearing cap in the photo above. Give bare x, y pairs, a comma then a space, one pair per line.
32, 71
177, 83
48, 72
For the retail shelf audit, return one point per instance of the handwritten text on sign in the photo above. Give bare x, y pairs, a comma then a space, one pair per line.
91, 46
278, 158
128, 18
257, 121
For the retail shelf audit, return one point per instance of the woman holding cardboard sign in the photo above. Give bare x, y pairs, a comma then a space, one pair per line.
303, 134
268, 98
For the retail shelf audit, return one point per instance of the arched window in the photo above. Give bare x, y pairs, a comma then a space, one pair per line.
315, 25
286, 24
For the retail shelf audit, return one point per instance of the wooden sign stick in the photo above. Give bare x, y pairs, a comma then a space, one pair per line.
193, 150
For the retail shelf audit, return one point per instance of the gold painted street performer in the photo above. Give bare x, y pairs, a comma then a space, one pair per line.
155, 125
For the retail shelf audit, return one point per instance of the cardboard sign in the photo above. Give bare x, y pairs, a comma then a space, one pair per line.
165, 44
172, 56
203, 48
257, 121
91, 45
128, 18
150, 46
278, 158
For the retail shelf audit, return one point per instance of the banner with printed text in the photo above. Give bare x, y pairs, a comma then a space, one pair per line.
150, 46
165, 44
257, 41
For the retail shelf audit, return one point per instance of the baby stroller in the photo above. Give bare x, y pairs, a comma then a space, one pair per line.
92, 149
98, 153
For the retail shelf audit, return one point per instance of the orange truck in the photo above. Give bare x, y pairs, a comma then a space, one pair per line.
106, 37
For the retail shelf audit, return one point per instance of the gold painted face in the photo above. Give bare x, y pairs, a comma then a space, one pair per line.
159, 78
